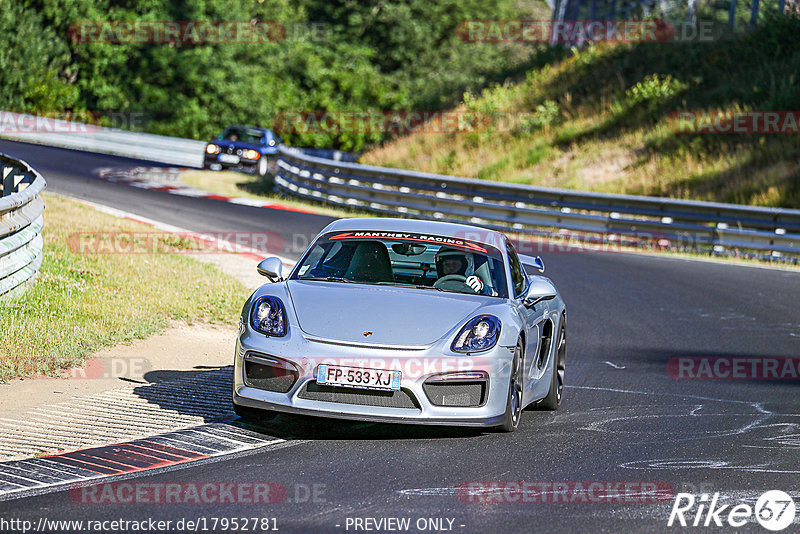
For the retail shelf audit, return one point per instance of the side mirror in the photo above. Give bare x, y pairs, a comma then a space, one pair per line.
539, 289
271, 268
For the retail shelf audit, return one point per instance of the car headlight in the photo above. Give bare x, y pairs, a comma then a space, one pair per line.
212, 149
268, 316
252, 154
480, 333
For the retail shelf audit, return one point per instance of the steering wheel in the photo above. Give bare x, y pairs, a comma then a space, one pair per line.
452, 282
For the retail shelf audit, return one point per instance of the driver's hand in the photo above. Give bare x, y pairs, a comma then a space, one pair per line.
475, 283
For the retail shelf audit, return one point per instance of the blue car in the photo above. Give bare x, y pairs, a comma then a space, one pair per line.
244, 148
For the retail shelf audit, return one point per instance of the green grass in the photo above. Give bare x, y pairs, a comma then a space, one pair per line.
603, 119
83, 302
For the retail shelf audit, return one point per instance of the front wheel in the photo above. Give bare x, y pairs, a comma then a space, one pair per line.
515, 389
553, 399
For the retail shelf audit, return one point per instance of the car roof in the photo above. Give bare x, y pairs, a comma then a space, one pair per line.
446, 229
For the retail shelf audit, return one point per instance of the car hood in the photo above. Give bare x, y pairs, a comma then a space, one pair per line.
340, 312
236, 144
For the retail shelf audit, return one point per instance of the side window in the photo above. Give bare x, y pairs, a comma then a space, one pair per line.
518, 277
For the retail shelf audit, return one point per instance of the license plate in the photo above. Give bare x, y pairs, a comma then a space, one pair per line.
358, 377
229, 158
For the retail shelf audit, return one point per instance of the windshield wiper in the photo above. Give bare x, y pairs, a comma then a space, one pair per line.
415, 286
326, 279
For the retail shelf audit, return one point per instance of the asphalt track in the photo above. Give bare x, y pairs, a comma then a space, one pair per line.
624, 418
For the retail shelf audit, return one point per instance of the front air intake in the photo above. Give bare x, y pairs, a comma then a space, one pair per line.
361, 397
457, 389
269, 373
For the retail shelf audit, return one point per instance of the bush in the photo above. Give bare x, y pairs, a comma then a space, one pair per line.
33, 64
400, 55
544, 116
653, 92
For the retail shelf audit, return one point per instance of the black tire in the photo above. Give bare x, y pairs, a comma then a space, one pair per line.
553, 399
252, 415
515, 391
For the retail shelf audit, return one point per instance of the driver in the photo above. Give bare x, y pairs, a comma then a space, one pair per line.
455, 262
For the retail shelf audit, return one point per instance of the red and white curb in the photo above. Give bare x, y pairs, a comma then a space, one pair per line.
134, 411
40, 475
167, 180
220, 244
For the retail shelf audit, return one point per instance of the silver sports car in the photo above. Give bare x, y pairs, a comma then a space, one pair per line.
407, 321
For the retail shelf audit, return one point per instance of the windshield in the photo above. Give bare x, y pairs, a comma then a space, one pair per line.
405, 259
242, 135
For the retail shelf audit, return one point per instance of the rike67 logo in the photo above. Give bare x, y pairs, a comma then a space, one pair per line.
774, 510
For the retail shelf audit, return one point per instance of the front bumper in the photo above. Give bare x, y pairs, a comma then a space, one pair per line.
417, 365
243, 163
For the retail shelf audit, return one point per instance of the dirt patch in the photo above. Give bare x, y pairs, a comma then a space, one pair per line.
181, 347
606, 170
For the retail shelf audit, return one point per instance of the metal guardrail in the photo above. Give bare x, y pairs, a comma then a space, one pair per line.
684, 224
20, 225
522, 209
80, 136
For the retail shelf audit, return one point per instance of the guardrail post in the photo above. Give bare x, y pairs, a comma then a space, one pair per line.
9, 187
